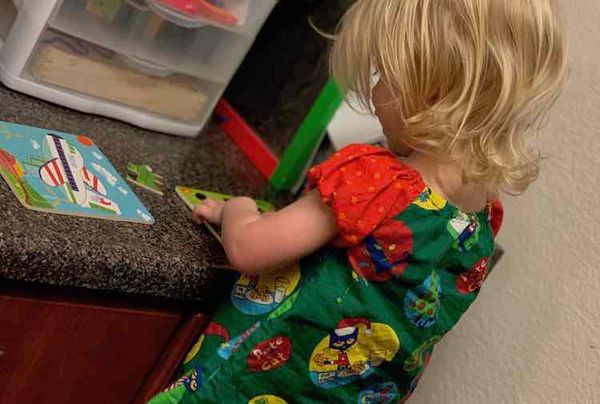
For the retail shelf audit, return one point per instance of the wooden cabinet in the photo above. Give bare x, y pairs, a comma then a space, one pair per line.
77, 350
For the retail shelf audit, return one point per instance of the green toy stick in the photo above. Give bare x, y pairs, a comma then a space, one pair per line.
307, 139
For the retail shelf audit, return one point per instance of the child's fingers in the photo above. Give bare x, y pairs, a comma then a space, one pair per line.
209, 210
197, 215
201, 213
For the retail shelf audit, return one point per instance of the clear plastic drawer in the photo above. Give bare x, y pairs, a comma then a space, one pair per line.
72, 64
143, 31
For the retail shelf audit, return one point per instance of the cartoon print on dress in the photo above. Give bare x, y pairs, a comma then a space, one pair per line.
464, 229
413, 384
191, 381
420, 372
267, 399
194, 382
381, 393
356, 280
422, 303
270, 354
352, 351
472, 279
285, 306
259, 294
384, 254
418, 360
230, 347
211, 329
430, 200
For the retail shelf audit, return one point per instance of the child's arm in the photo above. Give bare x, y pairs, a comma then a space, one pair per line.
257, 243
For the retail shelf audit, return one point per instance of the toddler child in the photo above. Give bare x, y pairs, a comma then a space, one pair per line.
343, 295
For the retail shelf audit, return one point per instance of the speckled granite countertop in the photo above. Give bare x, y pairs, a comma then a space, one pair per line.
172, 258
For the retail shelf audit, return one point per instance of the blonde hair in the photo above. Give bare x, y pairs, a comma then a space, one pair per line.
469, 78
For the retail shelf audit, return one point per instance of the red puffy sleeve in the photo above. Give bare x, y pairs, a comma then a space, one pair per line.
365, 186
496, 215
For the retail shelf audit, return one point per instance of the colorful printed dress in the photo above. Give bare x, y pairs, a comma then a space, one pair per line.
357, 321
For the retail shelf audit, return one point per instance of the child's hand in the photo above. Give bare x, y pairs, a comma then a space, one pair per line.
211, 210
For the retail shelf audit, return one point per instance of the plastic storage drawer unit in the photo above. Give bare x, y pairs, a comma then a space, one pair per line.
158, 64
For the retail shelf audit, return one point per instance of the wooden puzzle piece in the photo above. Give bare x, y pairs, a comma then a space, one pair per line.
193, 197
145, 177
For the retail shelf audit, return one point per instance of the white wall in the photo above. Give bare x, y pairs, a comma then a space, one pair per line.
533, 336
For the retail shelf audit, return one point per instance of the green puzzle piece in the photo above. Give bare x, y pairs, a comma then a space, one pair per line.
193, 197
143, 176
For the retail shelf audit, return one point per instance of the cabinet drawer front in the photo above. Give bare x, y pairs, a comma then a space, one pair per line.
75, 353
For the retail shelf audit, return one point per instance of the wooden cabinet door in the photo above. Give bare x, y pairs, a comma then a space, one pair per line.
65, 352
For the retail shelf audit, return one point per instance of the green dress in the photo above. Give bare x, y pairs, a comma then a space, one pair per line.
357, 321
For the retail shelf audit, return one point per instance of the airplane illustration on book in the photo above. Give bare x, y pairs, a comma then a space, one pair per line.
66, 169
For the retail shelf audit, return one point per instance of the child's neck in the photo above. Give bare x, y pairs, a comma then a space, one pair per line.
445, 178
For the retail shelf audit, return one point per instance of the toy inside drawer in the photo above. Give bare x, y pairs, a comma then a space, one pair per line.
201, 50
235, 15
224, 13
70, 63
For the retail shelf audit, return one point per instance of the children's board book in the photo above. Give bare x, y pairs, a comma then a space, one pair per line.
56, 172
